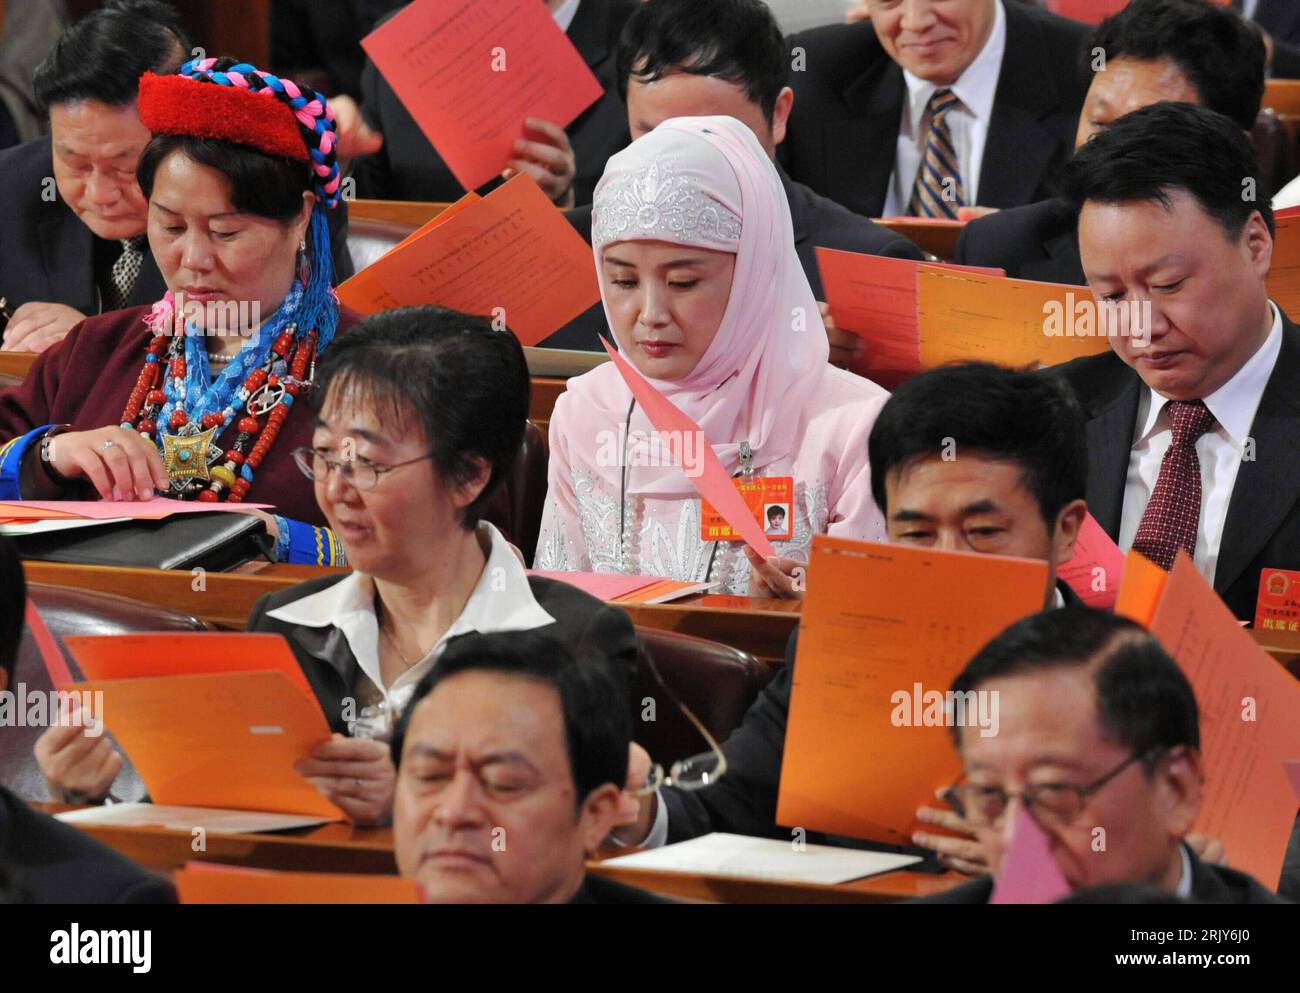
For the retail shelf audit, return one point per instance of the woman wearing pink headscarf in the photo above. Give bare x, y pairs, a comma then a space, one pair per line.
707, 299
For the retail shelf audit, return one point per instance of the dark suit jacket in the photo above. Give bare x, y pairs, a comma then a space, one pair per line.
818, 222
47, 254
843, 132
1262, 530
597, 889
1210, 884
581, 621
1036, 241
47, 861
408, 167
1281, 19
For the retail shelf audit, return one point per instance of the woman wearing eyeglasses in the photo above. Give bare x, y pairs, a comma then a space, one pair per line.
419, 413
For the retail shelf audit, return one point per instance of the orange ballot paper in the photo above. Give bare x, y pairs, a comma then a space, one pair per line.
1284, 271
203, 882
885, 630
966, 317
1250, 723
209, 720
875, 298
1095, 572
712, 483
470, 73
1141, 589
510, 255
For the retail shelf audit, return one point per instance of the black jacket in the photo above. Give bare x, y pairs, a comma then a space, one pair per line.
818, 222
43, 860
1210, 884
1036, 241
1281, 19
408, 167
597, 889
48, 254
581, 621
1262, 529
843, 131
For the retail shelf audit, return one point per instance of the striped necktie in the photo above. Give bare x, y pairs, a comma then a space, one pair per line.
125, 272
938, 190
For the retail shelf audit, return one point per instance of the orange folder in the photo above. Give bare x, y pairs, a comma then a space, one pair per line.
876, 299
877, 620
201, 882
471, 73
1250, 723
1284, 272
209, 720
510, 254
967, 317
1142, 587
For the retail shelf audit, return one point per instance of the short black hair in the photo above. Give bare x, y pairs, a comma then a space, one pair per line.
1030, 418
734, 40
269, 186
465, 382
1218, 50
13, 606
103, 56
1152, 152
1144, 701
776, 510
593, 697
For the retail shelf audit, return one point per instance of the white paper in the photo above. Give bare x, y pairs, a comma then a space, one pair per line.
214, 820
764, 858
679, 594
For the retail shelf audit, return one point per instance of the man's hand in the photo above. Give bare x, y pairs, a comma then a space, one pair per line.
776, 577
355, 136
1207, 849
964, 854
545, 154
636, 814
36, 326
845, 347
78, 767
355, 774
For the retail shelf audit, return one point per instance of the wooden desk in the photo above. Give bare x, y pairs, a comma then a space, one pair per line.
936, 239
409, 212
757, 625
546, 390
1282, 96
16, 364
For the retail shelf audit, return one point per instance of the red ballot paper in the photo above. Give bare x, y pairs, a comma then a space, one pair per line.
713, 484
470, 73
51, 654
885, 629
876, 299
1097, 568
1250, 723
1089, 11
209, 720
203, 882
1029, 872
510, 254
106, 510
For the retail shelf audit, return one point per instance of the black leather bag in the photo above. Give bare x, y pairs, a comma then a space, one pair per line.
216, 542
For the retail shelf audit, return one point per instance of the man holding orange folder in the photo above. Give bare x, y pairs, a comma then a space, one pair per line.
972, 458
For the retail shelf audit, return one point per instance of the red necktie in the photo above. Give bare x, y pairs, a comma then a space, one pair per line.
1173, 513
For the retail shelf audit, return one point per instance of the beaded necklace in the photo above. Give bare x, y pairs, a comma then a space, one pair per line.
275, 367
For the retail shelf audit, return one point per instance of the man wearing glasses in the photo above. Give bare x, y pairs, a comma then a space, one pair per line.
1099, 741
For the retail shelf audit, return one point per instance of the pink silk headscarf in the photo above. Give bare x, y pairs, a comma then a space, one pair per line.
770, 353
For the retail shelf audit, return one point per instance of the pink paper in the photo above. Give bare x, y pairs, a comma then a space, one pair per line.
1293, 774
1097, 567
713, 484
601, 585
104, 510
471, 72
1029, 872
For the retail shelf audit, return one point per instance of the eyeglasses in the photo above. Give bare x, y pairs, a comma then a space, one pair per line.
692, 773
359, 473
1059, 803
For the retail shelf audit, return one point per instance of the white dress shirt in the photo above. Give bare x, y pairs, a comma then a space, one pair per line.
1220, 450
502, 600
967, 123
565, 13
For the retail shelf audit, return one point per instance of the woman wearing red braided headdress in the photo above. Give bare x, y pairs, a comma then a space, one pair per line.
195, 398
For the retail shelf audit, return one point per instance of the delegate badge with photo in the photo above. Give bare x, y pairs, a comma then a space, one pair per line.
1278, 606
769, 498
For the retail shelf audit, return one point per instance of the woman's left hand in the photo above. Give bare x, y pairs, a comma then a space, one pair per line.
355, 774
776, 577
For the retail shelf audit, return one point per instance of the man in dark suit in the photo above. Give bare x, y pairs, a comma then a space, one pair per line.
702, 58
1098, 727
511, 759
73, 240
926, 108
567, 162
41, 859
1192, 424
1152, 50
1280, 22
1015, 488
